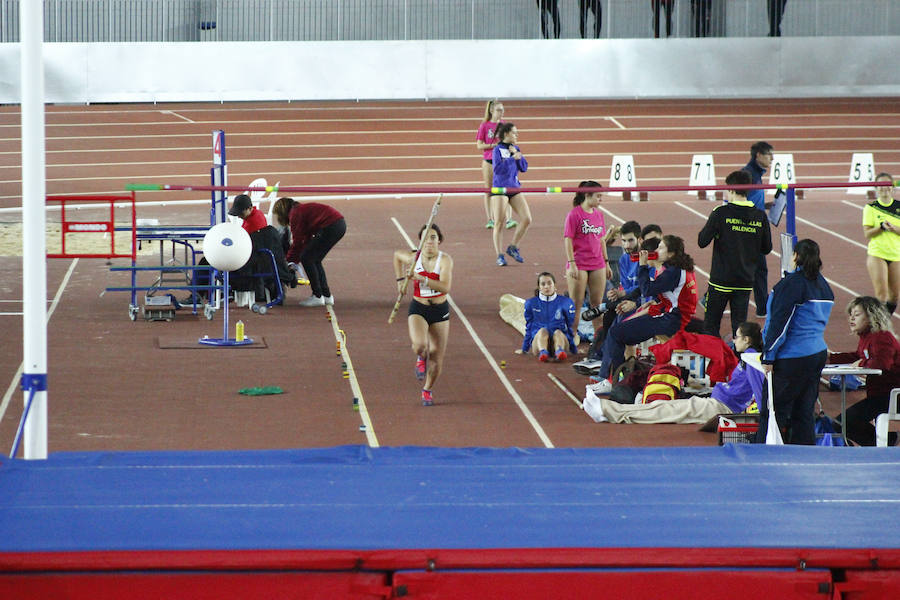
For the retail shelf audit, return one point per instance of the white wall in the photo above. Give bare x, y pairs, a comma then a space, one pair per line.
650, 68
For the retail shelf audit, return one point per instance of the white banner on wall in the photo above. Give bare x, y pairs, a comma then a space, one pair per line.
416, 70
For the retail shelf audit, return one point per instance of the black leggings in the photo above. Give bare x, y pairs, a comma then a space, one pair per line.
549, 8
776, 13
583, 7
859, 426
795, 383
311, 258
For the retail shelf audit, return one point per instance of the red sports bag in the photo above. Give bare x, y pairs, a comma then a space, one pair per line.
663, 383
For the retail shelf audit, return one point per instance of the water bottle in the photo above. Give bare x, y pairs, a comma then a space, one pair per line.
239, 331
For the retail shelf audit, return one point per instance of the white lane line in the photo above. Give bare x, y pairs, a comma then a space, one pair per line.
340, 337
848, 203
416, 134
357, 159
617, 124
556, 381
830, 281
405, 145
175, 114
500, 374
219, 122
353, 161
478, 109
17, 378
828, 231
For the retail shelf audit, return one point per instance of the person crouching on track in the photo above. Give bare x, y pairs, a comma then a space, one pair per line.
675, 291
549, 321
429, 311
508, 161
315, 229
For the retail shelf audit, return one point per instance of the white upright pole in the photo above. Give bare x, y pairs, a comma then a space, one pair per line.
34, 250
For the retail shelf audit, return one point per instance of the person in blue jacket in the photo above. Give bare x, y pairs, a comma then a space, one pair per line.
549, 321
794, 349
508, 162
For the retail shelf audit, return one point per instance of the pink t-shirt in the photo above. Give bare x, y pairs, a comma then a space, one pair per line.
586, 231
485, 135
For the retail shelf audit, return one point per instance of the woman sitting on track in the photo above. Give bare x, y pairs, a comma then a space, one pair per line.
585, 246
881, 225
315, 229
878, 349
429, 311
508, 161
549, 321
485, 141
731, 397
675, 291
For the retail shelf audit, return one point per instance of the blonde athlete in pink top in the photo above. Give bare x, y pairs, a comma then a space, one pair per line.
585, 246
485, 140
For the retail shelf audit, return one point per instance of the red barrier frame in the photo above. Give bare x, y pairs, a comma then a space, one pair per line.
71, 226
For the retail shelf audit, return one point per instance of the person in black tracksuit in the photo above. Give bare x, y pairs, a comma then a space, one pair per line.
760, 160
740, 233
776, 13
549, 10
594, 6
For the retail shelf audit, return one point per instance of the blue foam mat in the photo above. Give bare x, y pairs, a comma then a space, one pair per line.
360, 498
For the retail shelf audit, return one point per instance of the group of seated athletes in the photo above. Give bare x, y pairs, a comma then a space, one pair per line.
656, 297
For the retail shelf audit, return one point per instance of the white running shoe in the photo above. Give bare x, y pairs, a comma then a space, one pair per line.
329, 300
313, 301
601, 387
593, 407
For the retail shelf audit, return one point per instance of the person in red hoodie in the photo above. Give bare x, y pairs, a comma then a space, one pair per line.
315, 229
877, 349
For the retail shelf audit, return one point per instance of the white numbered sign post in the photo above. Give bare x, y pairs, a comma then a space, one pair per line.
862, 168
703, 173
218, 147
219, 177
781, 170
622, 175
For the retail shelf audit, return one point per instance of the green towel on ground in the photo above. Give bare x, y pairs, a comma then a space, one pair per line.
261, 391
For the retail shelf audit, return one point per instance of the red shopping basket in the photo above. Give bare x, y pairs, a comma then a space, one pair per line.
737, 428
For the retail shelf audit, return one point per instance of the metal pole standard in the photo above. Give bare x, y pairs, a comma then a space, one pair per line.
34, 248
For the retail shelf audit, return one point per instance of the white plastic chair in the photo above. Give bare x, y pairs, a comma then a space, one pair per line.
272, 198
695, 364
256, 196
883, 421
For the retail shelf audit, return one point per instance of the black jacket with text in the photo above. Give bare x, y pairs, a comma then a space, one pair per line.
740, 233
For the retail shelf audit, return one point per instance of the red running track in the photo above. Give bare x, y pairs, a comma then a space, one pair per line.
112, 387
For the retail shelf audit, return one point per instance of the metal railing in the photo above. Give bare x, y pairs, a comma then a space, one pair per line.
335, 20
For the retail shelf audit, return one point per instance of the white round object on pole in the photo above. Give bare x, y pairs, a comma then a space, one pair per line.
227, 246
